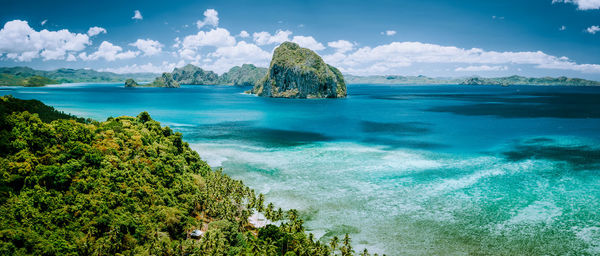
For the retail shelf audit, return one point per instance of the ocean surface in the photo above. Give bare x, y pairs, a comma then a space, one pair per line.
406, 170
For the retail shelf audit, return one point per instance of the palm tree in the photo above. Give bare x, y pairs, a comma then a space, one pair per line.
279, 214
260, 202
334, 243
269, 211
347, 247
365, 253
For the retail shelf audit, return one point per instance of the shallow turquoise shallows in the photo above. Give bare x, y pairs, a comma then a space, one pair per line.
406, 170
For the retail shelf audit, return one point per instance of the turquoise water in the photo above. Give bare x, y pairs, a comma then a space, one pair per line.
407, 170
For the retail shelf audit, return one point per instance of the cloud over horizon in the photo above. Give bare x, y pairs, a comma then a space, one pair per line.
216, 48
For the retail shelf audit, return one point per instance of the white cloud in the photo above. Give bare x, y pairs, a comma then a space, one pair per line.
241, 53
109, 52
389, 58
264, 38
341, 45
481, 68
308, 42
244, 34
211, 18
145, 68
214, 37
43, 22
593, 29
581, 4
137, 15
189, 46
149, 47
390, 32
21, 42
93, 31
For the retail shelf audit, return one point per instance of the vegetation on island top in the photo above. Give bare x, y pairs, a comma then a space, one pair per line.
10, 76
128, 186
29, 81
130, 83
297, 72
246, 75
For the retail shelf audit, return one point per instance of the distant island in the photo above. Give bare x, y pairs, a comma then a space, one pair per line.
11, 76
131, 83
297, 72
502, 81
249, 75
245, 75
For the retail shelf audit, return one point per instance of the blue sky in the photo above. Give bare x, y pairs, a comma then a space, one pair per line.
434, 38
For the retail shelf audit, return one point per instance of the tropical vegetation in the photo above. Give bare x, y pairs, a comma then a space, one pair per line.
128, 186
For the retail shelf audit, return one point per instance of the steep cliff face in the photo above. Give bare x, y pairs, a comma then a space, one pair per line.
297, 72
190, 74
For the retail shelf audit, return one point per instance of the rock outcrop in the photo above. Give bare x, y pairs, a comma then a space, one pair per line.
130, 83
166, 80
297, 72
246, 75
190, 74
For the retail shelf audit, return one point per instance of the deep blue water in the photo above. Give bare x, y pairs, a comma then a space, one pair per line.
419, 170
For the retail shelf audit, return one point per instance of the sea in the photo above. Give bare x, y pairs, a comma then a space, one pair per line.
403, 169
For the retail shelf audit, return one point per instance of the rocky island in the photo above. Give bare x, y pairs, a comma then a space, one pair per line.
246, 75
130, 83
297, 72
165, 80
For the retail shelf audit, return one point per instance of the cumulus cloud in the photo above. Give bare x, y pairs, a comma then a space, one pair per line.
581, 4
235, 55
389, 32
481, 68
148, 47
93, 31
244, 34
211, 18
20, 42
145, 68
137, 15
109, 52
189, 46
264, 38
308, 42
593, 29
341, 45
389, 58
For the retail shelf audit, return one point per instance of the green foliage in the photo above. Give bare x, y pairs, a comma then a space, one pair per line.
297, 72
130, 83
190, 74
125, 186
246, 75
165, 80
28, 81
14, 75
10, 104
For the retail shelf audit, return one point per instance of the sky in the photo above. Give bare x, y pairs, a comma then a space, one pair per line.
426, 37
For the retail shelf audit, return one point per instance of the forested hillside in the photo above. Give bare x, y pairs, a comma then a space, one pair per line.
127, 186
